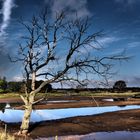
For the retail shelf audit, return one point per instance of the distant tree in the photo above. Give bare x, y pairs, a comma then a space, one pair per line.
3, 84
119, 86
46, 88
14, 86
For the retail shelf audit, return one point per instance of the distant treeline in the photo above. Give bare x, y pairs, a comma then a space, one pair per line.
13, 86
119, 86
127, 89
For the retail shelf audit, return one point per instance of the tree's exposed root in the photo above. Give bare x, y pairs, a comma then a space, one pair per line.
22, 133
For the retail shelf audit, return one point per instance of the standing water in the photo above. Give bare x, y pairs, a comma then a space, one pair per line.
13, 115
118, 135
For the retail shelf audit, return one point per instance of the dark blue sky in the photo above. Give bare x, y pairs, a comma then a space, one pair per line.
119, 19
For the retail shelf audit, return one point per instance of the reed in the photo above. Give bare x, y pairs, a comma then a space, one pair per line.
4, 136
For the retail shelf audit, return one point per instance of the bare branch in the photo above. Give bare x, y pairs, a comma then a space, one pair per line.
72, 41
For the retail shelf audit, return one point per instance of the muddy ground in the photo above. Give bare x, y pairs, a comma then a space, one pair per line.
114, 121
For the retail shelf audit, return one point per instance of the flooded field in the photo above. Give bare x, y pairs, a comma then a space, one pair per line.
71, 119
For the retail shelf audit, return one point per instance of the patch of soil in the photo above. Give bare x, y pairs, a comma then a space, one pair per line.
79, 101
85, 103
114, 121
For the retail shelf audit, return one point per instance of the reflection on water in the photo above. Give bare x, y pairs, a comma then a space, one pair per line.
109, 100
61, 101
122, 105
13, 115
2, 107
118, 135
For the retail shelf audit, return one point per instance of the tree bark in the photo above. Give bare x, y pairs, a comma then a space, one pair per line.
27, 114
33, 81
26, 119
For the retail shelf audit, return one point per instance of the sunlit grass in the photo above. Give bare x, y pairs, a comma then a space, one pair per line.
111, 94
67, 93
4, 136
90, 93
9, 95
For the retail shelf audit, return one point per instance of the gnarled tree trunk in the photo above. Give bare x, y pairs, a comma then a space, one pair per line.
78, 59
26, 119
27, 114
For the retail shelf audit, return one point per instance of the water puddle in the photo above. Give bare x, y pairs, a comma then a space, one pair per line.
13, 115
61, 101
118, 135
108, 100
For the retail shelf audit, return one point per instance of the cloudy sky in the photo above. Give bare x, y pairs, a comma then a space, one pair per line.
119, 20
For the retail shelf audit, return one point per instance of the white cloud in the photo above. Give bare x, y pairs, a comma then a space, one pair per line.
131, 81
17, 78
109, 43
133, 45
71, 6
107, 40
6, 12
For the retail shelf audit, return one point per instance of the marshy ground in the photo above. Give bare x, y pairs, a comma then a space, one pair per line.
128, 120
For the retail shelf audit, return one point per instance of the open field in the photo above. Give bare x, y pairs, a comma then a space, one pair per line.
59, 94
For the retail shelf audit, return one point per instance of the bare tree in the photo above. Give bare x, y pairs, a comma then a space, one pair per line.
58, 49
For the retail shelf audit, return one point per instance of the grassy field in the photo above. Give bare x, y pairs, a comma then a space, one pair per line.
109, 94
9, 95
62, 94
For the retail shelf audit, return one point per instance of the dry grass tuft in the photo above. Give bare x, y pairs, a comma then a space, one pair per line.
4, 136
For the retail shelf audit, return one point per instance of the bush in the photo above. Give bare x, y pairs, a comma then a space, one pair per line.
1, 91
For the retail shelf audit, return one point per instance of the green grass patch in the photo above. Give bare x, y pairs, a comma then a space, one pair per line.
88, 94
9, 95
111, 94
62, 94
